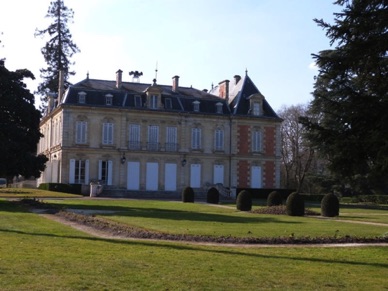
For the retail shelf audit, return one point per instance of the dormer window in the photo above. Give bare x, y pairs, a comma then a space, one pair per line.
256, 109
153, 102
168, 103
256, 104
196, 106
138, 101
109, 99
219, 107
81, 97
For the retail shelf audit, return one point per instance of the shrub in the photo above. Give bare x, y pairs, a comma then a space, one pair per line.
244, 201
60, 187
188, 195
330, 205
213, 196
295, 205
274, 199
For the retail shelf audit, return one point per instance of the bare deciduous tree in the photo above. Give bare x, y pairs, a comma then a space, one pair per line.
297, 154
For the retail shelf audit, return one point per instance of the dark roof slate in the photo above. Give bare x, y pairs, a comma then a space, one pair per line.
125, 96
174, 101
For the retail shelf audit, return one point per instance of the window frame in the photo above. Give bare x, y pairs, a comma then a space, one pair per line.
107, 133
81, 129
257, 141
196, 135
219, 139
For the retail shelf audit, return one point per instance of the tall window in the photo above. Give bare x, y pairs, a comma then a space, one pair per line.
80, 132
79, 171
219, 140
256, 141
107, 133
154, 102
105, 172
196, 138
134, 136
153, 138
171, 139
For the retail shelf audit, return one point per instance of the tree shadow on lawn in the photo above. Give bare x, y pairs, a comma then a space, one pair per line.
155, 213
198, 248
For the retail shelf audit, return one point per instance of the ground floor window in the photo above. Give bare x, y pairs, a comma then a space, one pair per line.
79, 171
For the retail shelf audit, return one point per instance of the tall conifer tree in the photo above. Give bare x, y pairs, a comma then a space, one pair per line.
58, 50
351, 95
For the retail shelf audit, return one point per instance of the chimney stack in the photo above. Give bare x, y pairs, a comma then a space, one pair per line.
237, 78
175, 83
119, 79
224, 89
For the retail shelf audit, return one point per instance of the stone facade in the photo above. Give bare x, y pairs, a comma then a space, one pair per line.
149, 137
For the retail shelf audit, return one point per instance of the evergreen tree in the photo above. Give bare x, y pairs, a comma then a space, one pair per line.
351, 95
58, 50
19, 122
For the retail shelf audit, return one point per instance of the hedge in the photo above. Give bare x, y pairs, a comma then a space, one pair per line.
59, 187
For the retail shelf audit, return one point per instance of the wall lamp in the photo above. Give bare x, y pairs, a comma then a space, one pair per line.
183, 162
123, 159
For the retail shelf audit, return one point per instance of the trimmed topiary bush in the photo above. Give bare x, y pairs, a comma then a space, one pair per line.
330, 205
244, 201
274, 199
213, 196
188, 195
295, 205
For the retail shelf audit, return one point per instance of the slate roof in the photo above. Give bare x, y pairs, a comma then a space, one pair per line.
124, 97
239, 97
129, 94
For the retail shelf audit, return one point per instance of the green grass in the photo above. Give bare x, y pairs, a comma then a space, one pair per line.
29, 193
39, 254
203, 219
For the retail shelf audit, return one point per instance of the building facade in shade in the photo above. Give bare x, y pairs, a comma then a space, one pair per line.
148, 137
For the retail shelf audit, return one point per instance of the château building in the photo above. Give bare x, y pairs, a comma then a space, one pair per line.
137, 137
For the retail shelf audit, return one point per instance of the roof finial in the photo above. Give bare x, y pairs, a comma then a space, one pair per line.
156, 71
212, 86
246, 72
87, 75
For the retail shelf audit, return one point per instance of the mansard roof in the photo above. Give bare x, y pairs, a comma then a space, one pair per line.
240, 91
181, 100
133, 95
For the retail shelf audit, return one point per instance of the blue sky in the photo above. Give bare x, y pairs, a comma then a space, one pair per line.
202, 41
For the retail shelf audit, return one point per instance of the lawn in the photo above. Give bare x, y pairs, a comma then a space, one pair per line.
40, 254
204, 219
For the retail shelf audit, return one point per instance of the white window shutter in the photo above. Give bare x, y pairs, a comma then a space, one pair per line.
99, 170
72, 171
87, 172
110, 172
